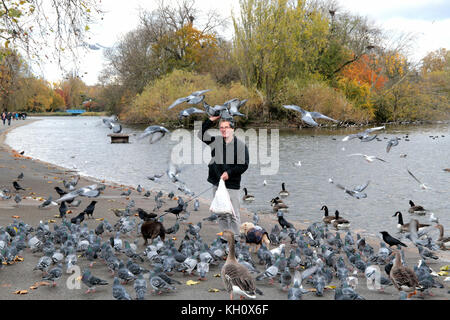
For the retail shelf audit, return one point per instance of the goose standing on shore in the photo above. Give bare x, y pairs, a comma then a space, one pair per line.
402, 227
326, 218
236, 278
340, 223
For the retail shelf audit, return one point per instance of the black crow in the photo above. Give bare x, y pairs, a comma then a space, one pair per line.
60, 191
17, 186
78, 217
391, 241
176, 210
146, 216
62, 209
283, 222
90, 208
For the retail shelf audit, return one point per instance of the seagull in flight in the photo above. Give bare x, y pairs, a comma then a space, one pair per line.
193, 98
368, 158
356, 192
422, 185
155, 132
308, 116
364, 136
392, 143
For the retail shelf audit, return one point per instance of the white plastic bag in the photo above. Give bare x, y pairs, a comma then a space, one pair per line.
222, 202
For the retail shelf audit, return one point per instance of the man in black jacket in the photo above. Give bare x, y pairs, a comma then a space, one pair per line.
229, 160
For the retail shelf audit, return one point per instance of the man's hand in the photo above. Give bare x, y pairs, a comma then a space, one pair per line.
224, 176
214, 118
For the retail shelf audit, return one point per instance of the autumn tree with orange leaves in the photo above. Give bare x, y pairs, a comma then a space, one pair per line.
366, 70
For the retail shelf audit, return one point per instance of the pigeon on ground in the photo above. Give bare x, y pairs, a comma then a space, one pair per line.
54, 274
119, 292
140, 287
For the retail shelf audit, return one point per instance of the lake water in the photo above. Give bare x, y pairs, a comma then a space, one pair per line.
82, 143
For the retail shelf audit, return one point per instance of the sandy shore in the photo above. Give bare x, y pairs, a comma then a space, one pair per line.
41, 178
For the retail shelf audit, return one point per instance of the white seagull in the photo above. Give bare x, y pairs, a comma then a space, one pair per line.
368, 158
364, 136
422, 185
308, 116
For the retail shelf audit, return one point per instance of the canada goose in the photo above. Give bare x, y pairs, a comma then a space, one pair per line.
247, 197
415, 209
278, 204
401, 227
236, 278
340, 223
283, 192
403, 278
443, 242
326, 218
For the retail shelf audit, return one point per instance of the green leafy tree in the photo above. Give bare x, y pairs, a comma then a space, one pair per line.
276, 39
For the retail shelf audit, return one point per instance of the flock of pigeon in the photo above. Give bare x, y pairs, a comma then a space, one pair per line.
318, 258
325, 252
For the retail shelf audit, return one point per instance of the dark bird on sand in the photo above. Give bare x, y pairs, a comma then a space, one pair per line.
145, 215
17, 186
90, 208
60, 191
79, 217
283, 222
391, 241
62, 209
176, 210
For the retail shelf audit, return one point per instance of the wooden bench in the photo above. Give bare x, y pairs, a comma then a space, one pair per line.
119, 137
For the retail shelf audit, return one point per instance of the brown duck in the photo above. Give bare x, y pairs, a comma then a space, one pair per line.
237, 278
443, 242
403, 278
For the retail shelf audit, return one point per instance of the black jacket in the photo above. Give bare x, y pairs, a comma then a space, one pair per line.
235, 166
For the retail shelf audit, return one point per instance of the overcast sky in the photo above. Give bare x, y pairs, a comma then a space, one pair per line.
428, 20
